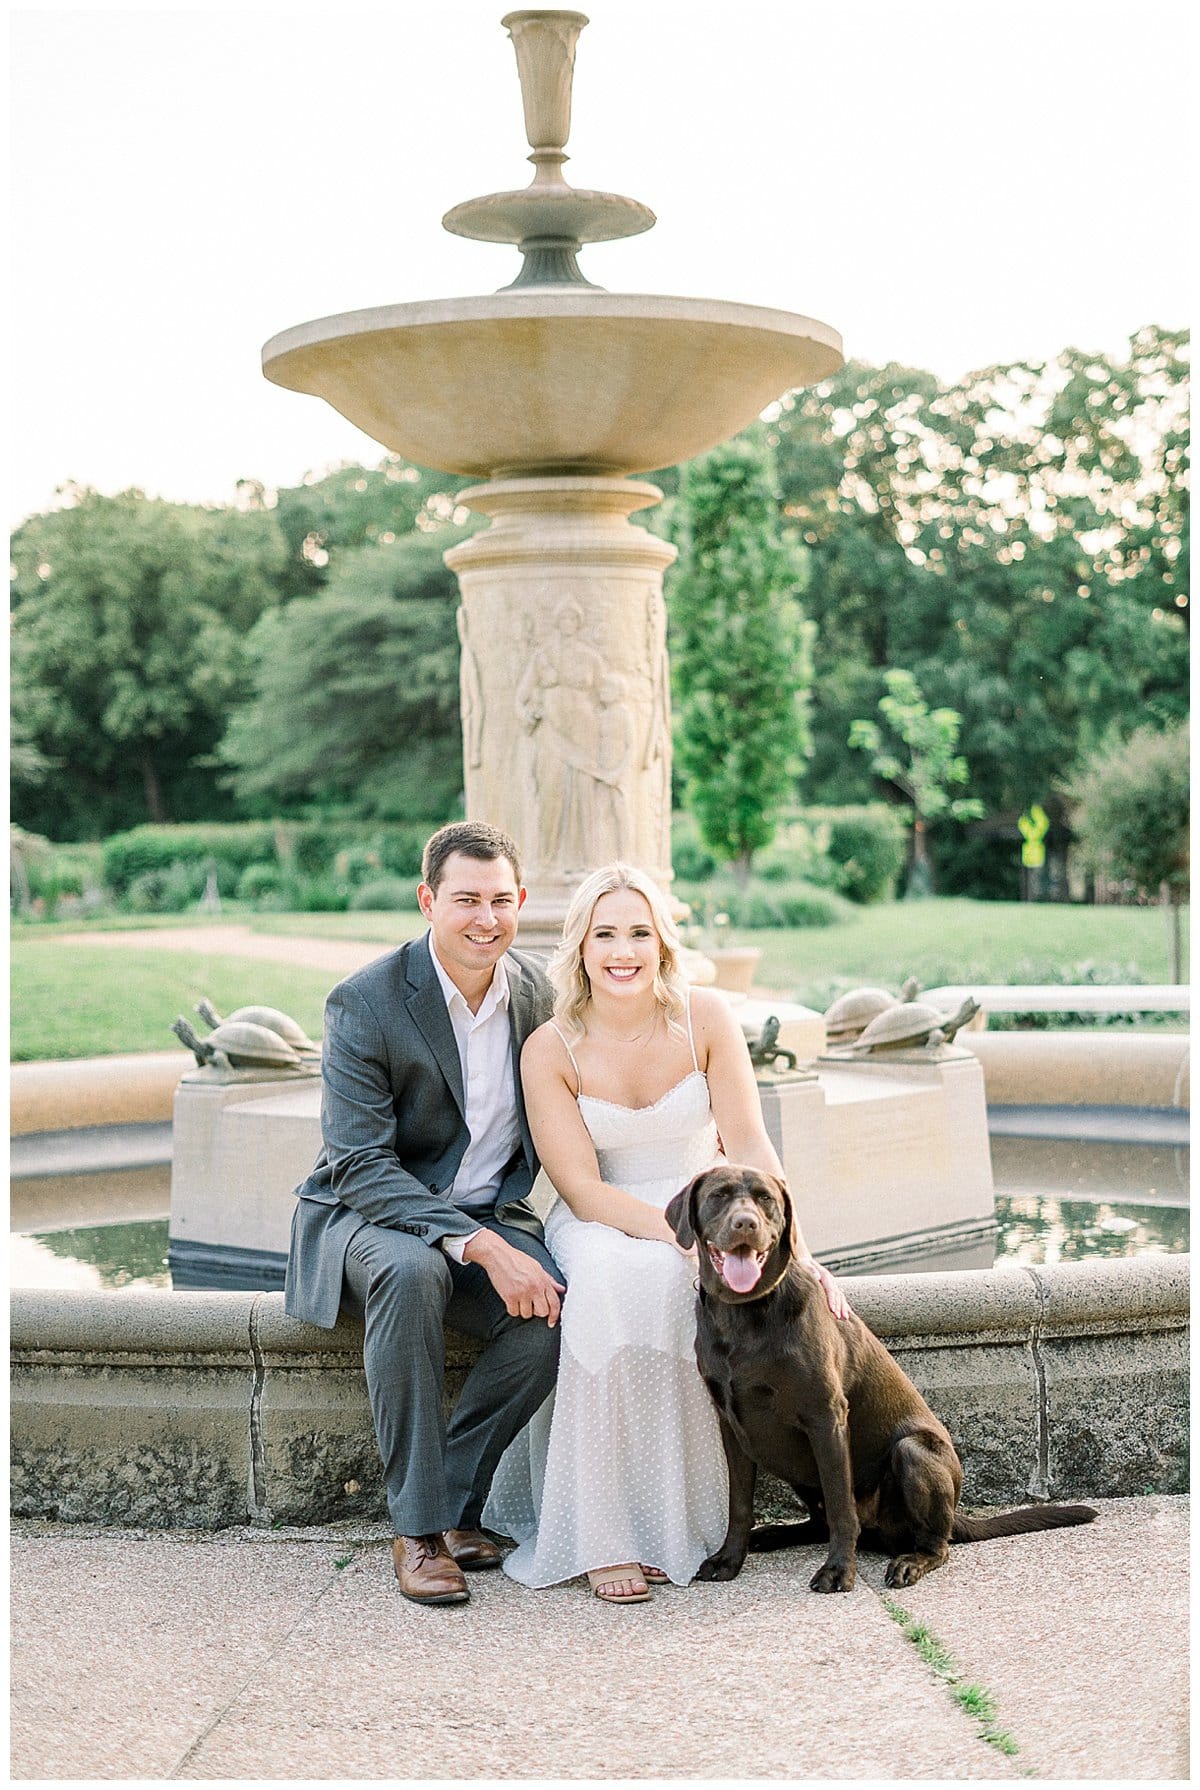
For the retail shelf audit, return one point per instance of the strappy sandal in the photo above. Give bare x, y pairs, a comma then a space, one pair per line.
654, 1575
606, 1578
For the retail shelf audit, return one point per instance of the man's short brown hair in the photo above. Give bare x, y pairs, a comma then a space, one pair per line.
474, 839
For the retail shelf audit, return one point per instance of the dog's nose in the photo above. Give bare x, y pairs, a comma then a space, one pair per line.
742, 1222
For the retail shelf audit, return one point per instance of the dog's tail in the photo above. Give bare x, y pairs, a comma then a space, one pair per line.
1025, 1521
769, 1536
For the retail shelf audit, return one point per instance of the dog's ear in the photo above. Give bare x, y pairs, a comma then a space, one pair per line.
681, 1213
789, 1216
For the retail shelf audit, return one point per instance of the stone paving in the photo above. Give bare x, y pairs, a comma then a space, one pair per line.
291, 1656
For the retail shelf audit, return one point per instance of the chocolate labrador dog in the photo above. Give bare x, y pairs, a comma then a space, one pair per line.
817, 1401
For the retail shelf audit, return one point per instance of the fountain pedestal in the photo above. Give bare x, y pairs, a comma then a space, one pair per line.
565, 687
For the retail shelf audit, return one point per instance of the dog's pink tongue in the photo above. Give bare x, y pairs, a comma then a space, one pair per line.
742, 1270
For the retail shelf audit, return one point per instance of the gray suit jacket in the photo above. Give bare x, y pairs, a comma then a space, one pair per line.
393, 1121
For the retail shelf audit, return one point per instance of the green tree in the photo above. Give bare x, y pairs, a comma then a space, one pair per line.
1132, 819
128, 627
921, 760
1019, 540
741, 650
355, 698
354, 506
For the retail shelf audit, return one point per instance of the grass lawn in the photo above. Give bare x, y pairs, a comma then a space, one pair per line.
87, 1000
955, 940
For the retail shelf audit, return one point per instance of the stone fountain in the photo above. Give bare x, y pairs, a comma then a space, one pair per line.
554, 392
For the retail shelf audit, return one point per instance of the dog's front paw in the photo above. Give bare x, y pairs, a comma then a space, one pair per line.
834, 1576
906, 1569
721, 1566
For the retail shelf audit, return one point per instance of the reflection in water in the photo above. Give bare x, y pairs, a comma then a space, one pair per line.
1033, 1229
1047, 1230
98, 1256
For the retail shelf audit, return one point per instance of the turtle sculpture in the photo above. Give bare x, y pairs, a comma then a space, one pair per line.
767, 1052
909, 1025
270, 1017
853, 1011
240, 1044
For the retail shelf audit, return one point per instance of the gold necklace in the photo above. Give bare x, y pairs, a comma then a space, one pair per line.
635, 1037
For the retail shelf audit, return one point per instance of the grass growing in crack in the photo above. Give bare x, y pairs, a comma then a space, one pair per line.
343, 1561
972, 1699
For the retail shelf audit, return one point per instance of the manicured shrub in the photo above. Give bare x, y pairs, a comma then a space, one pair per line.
230, 846
260, 881
385, 894
396, 846
167, 890
867, 844
760, 905
304, 855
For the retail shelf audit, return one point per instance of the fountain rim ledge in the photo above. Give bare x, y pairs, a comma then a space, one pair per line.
531, 303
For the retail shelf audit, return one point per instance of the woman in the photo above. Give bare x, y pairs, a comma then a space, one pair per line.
633, 1087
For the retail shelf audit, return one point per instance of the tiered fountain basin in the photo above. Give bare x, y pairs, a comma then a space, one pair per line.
549, 380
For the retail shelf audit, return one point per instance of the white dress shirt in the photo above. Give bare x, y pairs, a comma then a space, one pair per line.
485, 1053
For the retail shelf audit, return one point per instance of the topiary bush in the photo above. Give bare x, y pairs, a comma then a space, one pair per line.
868, 846
261, 883
762, 905
167, 890
385, 894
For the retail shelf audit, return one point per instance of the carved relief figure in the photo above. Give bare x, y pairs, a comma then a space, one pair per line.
470, 688
558, 707
656, 755
611, 830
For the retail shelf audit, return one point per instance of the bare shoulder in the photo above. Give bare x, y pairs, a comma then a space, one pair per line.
546, 1064
544, 1050
712, 1016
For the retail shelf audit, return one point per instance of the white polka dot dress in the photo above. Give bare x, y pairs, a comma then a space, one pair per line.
624, 1462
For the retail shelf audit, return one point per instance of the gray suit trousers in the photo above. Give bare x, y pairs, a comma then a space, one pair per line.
438, 1475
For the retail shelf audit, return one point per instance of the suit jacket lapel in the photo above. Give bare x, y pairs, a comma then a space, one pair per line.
427, 1008
522, 1019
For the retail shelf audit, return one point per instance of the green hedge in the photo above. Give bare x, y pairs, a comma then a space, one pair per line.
317, 857
858, 851
230, 845
758, 905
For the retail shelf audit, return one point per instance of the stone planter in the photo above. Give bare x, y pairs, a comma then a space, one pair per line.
735, 967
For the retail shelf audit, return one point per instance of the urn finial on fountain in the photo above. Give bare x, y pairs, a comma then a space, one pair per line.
549, 220
545, 45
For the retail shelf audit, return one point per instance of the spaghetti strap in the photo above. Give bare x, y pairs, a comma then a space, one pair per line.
574, 1064
691, 1039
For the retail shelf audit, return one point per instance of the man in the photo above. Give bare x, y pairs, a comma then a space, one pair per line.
416, 1213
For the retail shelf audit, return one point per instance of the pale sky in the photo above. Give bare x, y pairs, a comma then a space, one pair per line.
948, 183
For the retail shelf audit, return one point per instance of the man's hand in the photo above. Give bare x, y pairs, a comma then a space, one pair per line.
523, 1284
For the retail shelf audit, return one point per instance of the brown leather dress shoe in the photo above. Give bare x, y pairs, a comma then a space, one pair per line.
425, 1571
472, 1550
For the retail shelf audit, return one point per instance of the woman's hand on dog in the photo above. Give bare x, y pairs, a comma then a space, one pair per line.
835, 1299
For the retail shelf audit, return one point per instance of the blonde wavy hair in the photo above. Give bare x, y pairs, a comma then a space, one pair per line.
572, 989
